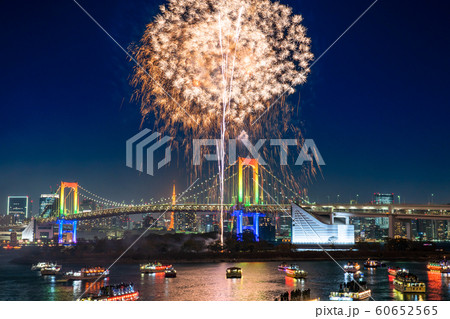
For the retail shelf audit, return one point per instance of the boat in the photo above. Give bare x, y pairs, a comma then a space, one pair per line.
408, 283
295, 272
283, 266
155, 267
234, 272
442, 266
43, 264
121, 292
351, 267
355, 290
50, 270
87, 273
170, 273
393, 271
369, 263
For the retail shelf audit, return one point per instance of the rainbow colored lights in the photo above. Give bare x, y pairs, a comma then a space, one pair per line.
62, 198
253, 163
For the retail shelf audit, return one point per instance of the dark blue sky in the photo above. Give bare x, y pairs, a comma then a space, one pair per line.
377, 104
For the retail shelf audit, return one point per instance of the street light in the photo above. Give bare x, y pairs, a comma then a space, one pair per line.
338, 198
432, 195
357, 195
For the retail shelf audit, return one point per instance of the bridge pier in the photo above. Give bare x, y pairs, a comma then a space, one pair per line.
391, 226
408, 229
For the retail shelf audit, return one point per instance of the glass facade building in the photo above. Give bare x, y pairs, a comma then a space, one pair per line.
47, 204
18, 206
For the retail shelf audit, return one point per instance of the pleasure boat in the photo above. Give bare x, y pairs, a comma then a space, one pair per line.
408, 283
355, 290
87, 273
442, 266
42, 264
121, 292
152, 268
352, 267
234, 272
294, 271
51, 270
373, 264
170, 273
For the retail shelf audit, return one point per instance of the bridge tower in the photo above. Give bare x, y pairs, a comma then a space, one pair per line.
62, 199
172, 214
253, 163
239, 213
67, 228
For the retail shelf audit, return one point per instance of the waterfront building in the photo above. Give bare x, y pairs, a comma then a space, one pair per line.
19, 207
307, 230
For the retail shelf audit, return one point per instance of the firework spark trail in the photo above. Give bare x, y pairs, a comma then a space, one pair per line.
226, 101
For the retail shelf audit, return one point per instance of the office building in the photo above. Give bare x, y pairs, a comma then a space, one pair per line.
18, 206
48, 204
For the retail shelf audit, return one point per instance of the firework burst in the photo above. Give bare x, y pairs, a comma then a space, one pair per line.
196, 51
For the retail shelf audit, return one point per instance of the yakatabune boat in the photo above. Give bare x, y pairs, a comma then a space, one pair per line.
151, 268
121, 292
87, 273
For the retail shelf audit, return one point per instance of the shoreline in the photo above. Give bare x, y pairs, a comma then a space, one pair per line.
227, 258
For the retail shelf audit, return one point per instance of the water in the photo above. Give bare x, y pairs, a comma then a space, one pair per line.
206, 281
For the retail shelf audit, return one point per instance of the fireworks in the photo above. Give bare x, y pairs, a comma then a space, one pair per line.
205, 57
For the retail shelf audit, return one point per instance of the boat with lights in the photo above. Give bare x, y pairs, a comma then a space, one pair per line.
120, 292
294, 271
42, 264
155, 267
442, 266
170, 273
354, 290
370, 263
394, 270
51, 270
87, 273
352, 267
234, 272
408, 283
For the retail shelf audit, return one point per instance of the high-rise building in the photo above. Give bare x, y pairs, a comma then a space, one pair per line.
19, 207
266, 229
383, 199
186, 221
48, 204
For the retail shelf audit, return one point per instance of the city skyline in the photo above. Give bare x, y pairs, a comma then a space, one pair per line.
384, 134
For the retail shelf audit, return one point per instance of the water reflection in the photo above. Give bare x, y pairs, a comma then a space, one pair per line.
294, 283
260, 281
400, 296
434, 286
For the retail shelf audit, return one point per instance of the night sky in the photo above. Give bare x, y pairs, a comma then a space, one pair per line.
376, 105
